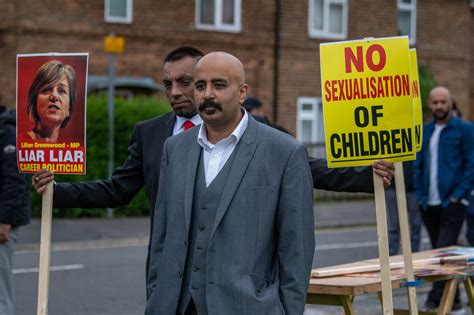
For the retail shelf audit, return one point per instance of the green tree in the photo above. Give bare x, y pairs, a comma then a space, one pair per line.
427, 83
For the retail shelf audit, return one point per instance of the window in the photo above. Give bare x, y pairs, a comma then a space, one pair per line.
118, 11
218, 15
328, 19
407, 19
310, 124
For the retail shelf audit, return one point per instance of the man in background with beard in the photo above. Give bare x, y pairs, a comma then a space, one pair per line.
443, 175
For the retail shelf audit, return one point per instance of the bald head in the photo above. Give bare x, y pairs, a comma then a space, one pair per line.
440, 104
224, 61
440, 90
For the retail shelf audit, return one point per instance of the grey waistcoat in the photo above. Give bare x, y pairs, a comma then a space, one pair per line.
205, 203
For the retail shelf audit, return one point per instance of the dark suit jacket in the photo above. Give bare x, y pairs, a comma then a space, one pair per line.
142, 169
348, 179
261, 243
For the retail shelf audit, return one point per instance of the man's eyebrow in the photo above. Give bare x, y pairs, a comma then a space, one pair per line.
219, 80
184, 77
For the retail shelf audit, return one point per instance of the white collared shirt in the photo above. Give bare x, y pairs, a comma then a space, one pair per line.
216, 155
178, 124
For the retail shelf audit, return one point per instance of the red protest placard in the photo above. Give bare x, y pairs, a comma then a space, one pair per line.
51, 112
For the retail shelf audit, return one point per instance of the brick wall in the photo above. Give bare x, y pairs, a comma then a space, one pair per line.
300, 53
470, 115
444, 41
157, 28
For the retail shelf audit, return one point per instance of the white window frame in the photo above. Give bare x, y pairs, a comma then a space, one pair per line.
218, 25
314, 115
118, 19
325, 33
409, 7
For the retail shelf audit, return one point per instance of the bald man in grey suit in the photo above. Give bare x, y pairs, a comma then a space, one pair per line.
235, 230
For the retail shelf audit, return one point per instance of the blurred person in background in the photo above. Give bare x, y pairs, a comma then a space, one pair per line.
470, 208
254, 106
443, 175
14, 206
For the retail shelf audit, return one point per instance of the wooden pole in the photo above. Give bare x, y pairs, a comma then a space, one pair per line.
405, 235
381, 214
45, 249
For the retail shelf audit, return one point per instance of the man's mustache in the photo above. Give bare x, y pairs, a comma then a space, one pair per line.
209, 103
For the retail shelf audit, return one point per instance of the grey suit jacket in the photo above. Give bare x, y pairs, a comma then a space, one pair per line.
262, 242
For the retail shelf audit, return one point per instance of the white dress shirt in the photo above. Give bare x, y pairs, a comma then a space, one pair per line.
179, 123
216, 155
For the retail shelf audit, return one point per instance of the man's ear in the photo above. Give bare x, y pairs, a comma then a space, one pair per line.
243, 92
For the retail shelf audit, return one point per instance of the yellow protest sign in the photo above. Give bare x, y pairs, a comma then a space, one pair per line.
367, 101
417, 107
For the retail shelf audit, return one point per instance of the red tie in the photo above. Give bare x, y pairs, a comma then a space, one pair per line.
188, 124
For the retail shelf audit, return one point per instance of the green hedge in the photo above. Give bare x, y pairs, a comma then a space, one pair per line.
127, 114
427, 83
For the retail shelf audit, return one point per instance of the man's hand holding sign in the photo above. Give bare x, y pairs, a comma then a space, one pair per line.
368, 115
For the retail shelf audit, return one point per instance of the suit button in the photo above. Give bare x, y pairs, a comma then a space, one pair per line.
180, 274
195, 268
201, 228
185, 244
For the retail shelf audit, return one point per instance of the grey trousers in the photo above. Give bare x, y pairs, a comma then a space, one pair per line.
6, 286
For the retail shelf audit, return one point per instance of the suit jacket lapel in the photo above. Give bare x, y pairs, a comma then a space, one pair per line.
243, 156
164, 131
169, 126
192, 163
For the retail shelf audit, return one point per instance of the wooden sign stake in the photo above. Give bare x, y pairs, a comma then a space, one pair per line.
405, 236
45, 249
381, 214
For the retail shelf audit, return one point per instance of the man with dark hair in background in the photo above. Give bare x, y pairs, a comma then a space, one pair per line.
254, 106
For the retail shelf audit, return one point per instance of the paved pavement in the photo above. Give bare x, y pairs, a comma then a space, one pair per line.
327, 215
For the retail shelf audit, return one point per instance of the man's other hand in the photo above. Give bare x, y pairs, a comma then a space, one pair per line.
384, 169
4, 229
40, 179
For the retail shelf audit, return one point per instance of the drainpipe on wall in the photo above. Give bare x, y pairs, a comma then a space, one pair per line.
276, 58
